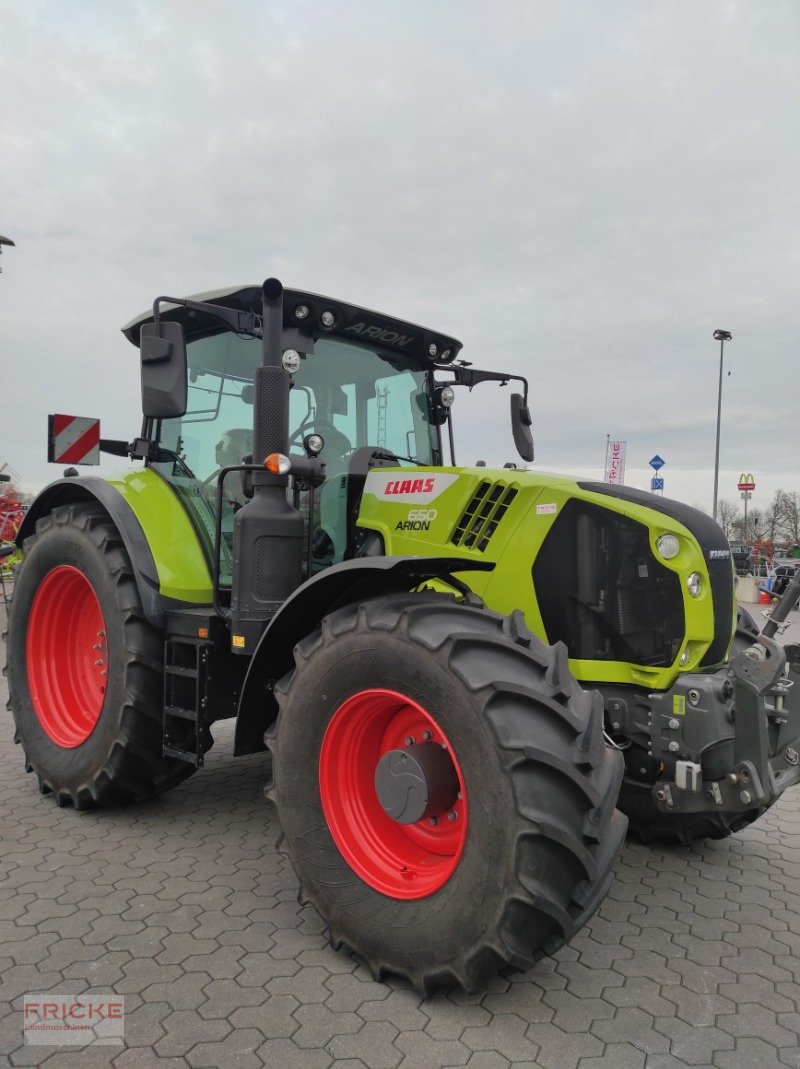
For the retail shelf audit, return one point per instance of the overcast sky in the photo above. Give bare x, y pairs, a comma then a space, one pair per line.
581, 192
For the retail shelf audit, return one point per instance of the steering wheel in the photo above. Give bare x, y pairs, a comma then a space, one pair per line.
317, 426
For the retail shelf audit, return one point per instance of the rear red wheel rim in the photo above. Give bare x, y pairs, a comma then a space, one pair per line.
405, 861
67, 656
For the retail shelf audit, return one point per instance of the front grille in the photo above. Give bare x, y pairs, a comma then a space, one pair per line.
603, 593
711, 538
483, 514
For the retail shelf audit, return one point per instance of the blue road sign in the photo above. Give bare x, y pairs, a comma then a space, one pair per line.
657, 462
656, 483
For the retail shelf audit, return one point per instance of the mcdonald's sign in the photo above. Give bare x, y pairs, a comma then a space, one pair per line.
746, 481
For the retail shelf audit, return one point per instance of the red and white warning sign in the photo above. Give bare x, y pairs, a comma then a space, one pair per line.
73, 440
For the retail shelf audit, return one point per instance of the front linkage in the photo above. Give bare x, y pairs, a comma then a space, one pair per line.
726, 742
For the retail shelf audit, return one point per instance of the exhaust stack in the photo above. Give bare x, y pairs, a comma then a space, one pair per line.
268, 530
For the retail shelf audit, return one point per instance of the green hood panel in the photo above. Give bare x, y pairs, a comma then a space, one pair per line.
183, 573
505, 516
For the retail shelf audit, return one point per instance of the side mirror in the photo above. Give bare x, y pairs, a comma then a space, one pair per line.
164, 377
521, 427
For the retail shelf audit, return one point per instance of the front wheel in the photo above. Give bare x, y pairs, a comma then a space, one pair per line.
444, 788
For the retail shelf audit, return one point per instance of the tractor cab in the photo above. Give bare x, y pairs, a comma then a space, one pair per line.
365, 390
347, 402
360, 394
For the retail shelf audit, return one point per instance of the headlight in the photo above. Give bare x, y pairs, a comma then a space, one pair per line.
446, 396
668, 546
694, 584
290, 360
314, 444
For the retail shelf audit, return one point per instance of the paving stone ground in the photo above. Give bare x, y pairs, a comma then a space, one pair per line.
184, 906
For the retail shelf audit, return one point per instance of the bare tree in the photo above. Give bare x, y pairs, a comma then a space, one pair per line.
728, 517
771, 517
789, 516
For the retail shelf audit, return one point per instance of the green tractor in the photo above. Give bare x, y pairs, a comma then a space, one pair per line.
469, 680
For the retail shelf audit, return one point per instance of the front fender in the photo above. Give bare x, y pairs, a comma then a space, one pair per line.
72, 491
351, 581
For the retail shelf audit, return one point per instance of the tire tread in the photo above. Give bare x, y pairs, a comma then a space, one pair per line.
580, 769
133, 768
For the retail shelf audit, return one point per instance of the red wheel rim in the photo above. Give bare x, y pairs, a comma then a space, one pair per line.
67, 656
404, 861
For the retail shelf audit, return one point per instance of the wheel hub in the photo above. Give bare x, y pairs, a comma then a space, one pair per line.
416, 783
67, 656
397, 810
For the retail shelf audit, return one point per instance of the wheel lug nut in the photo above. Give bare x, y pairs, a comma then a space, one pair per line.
426, 735
433, 821
409, 740
452, 815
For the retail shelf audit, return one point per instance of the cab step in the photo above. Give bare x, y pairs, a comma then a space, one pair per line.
186, 676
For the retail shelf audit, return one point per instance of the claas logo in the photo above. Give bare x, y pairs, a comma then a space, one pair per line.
409, 486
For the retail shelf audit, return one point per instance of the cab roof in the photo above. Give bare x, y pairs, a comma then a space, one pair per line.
360, 325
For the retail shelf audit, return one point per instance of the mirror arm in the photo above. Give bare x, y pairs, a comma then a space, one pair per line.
470, 377
116, 447
239, 322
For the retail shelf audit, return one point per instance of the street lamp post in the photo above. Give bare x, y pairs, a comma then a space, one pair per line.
721, 336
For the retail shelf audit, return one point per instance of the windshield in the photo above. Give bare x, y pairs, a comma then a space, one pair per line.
349, 394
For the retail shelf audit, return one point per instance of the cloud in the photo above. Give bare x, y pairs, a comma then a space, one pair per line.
581, 192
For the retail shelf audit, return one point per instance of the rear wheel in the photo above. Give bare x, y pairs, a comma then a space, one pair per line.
444, 788
85, 667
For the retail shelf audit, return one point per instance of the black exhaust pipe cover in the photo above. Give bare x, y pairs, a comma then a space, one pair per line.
268, 530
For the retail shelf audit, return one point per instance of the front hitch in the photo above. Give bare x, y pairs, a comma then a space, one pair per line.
729, 741
759, 675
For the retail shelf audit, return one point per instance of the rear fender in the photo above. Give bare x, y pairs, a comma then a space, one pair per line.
300, 615
93, 489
